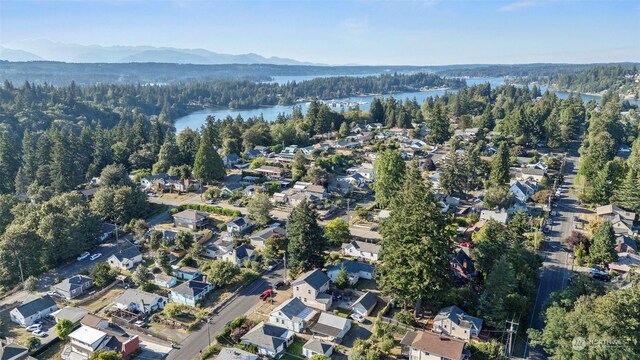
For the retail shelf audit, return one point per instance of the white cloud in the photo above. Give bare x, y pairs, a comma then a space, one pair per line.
519, 5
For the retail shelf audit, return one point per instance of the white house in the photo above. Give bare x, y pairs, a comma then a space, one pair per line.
317, 347
331, 327
32, 311
126, 259
522, 190
239, 225
427, 345
235, 354
270, 340
365, 304
356, 270
292, 314
452, 321
140, 301
361, 249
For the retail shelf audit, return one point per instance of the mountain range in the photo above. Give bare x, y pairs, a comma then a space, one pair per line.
38, 50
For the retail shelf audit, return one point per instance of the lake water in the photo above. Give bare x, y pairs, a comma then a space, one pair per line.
270, 113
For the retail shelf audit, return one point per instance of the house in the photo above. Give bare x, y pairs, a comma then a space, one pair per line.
625, 262
71, 313
271, 172
311, 288
235, 354
164, 280
317, 190
216, 249
126, 259
229, 189
452, 321
355, 269
317, 347
191, 291
73, 287
239, 255
522, 190
259, 239
160, 180
95, 322
32, 311
361, 249
428, 345
462, 266
191, 219
292, 314
609, 212
88, 194
86, 340
270, 340
239, 225
365, 304
138, 301
532, 174
107, 231
331, 327
625, 244
13, 351
499, 216
187, 273
230, 160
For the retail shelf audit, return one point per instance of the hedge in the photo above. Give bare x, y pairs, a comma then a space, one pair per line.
206, 208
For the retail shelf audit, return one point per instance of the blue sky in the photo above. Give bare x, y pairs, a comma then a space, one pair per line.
420, 32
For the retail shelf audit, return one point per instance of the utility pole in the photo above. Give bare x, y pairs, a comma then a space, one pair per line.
284, 273
511, 331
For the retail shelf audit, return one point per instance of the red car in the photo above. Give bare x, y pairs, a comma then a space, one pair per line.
266, 294
466, 244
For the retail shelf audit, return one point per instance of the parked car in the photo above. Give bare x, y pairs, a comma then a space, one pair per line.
356, 317
52, 293
209, 202
40, 333
266, 294
602, 277
466, 244
140, 323
596, 271
83, 256
95, 256
278, 284
34, 327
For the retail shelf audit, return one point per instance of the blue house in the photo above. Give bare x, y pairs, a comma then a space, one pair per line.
164, 280
191, 291
187, 273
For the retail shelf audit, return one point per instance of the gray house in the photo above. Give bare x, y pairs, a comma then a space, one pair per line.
292, 314
365, 304
269, 339
452, 321
190, 219
32, 311
73, 287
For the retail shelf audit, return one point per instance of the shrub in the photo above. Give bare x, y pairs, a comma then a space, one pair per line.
206, 208
173, 310
405, 317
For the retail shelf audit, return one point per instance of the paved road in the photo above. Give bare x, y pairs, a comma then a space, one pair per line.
245, 303
557, 265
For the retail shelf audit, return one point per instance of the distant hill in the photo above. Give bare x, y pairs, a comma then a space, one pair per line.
30, 50
17, 55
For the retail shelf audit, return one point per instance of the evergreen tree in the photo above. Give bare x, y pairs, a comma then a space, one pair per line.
602, 185
416, 245
162, 260
634, 158
29, 159
438, 126
306, 242
156, 138
376, 111
452, 178
499, 285
602, 250
389, 169
9, 163
299, 166
627, 196
208, 165
500, 165
342, 279
188, 143
169, 154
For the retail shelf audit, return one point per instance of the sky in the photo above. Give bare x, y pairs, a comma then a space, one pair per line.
374, 32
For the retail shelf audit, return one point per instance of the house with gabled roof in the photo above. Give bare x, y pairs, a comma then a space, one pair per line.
317, 347
522, 190
191, 219
73, 287
239, 225
31, 311
259, 239
139, 301
462, 266
356, 270
191, 291
432, 346
292, 314
126, 259
13, 351
239, 255
363, 250
452, 321
311, 288
270, 340
331, 327
365, 304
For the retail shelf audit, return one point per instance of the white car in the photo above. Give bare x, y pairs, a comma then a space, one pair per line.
357, 317
34, 327
52, 293
40, 333
95, 256
595, 271
83, 256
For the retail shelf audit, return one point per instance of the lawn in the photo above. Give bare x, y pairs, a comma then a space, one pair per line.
104, 300
54, 352
13, 330
294, 351
341, 312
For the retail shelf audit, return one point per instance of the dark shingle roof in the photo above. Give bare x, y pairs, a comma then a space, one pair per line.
11, 351
36, 305
73, 282
459, 317
128, 253
315, 278
191, 288
353, 267
368, 300
317, 346
266, 336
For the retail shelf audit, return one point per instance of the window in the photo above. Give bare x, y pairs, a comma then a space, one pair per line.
297, 288
305, 300
309, 291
